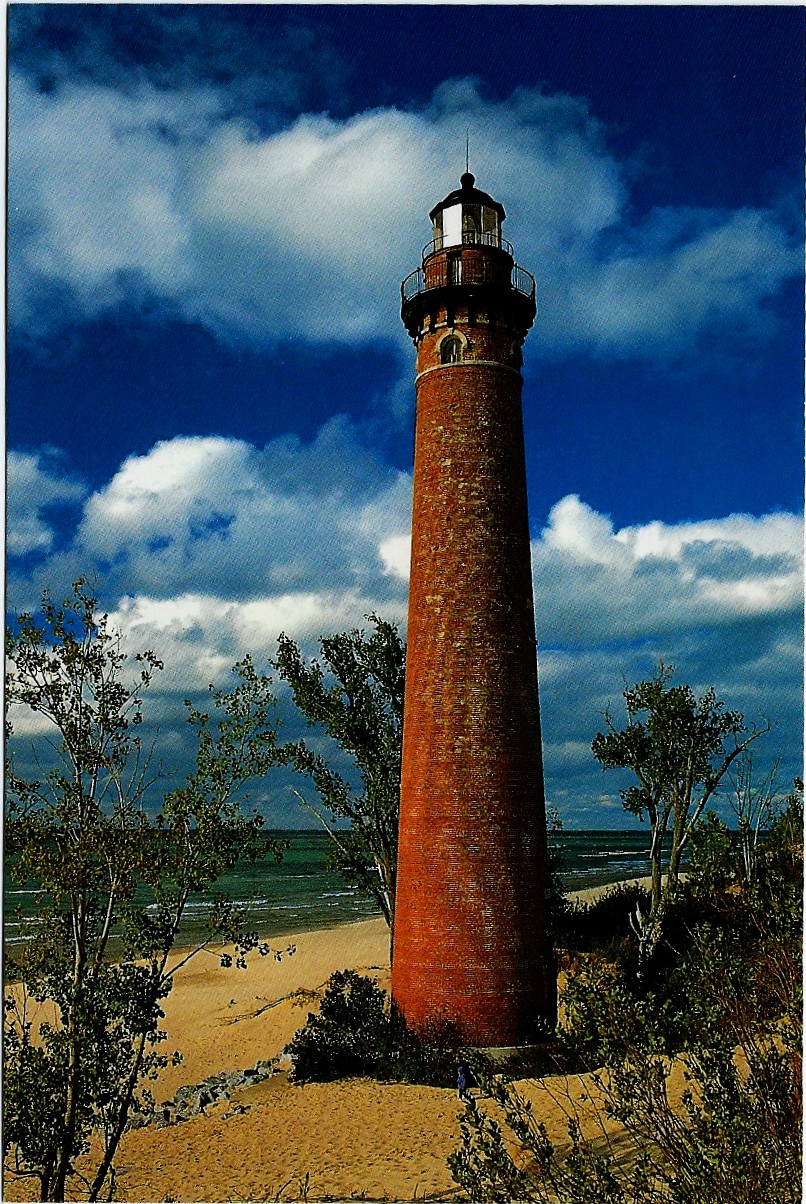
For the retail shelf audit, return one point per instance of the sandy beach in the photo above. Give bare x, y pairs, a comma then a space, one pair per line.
274, 1140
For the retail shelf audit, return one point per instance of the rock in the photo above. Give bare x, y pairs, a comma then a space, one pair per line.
191, 1100
138, 1120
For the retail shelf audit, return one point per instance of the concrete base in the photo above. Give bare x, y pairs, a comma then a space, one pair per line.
514, 1060
502, 1053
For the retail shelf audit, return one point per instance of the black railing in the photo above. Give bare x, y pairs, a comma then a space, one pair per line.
458, 272
470, 238
523, 281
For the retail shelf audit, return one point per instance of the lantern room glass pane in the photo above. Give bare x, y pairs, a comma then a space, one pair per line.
471, 224
490, 226
452, 226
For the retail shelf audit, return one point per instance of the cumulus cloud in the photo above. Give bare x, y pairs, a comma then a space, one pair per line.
209, 547
35, 481
396, 555
595, 584
200, 636
211, 537
246, 521
303, 231
676, 278
205, 549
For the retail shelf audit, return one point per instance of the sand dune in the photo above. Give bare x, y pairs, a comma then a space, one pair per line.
274, 1140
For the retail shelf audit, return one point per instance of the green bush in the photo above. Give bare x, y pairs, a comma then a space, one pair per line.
348, 1036
358, 1032
736, 1137
604, 925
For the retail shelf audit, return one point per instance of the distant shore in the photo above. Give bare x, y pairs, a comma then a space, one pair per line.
337, 934
592, 893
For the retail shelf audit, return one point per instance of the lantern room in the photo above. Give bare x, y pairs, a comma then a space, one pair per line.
467, 216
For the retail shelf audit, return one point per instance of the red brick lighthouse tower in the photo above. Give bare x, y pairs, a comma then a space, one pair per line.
470, 925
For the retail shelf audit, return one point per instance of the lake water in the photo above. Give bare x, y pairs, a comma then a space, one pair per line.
301, 893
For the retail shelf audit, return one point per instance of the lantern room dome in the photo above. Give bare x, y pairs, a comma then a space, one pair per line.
467, 215
468, 194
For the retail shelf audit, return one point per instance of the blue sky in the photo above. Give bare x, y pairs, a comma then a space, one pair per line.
210, 392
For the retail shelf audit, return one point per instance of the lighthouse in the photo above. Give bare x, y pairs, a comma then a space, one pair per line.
471, 944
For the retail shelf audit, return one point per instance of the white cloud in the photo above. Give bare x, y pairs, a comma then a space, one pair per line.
209, 547
35, 480
594, 584
215, 546
28, 723
306, 232
720, 599
94, 194
247, 522
656, 290
200, 636
579, 533
396, 555
773, 535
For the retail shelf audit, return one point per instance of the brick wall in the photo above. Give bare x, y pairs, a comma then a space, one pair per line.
470, 941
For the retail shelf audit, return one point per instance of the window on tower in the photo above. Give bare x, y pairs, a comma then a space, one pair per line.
450, 350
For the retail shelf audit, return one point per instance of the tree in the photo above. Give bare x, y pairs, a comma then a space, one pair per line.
679, 747
760, 859
756, 806
360, 705
112, 884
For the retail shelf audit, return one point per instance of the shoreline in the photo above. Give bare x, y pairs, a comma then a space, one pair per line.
219, 1016
354, 1138
588, 894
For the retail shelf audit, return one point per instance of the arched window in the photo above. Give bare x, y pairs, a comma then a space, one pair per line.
450, 350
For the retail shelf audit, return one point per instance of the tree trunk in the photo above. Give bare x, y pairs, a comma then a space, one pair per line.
675, 854
59, 1183
648, 928
120, 1123
68, 1133
44, 1180
657, 877
658, 823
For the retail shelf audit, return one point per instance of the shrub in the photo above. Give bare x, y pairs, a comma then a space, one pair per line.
736, 1136
348, 1036
604, 925
357, 1031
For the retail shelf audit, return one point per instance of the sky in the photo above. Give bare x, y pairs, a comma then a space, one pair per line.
210, 397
